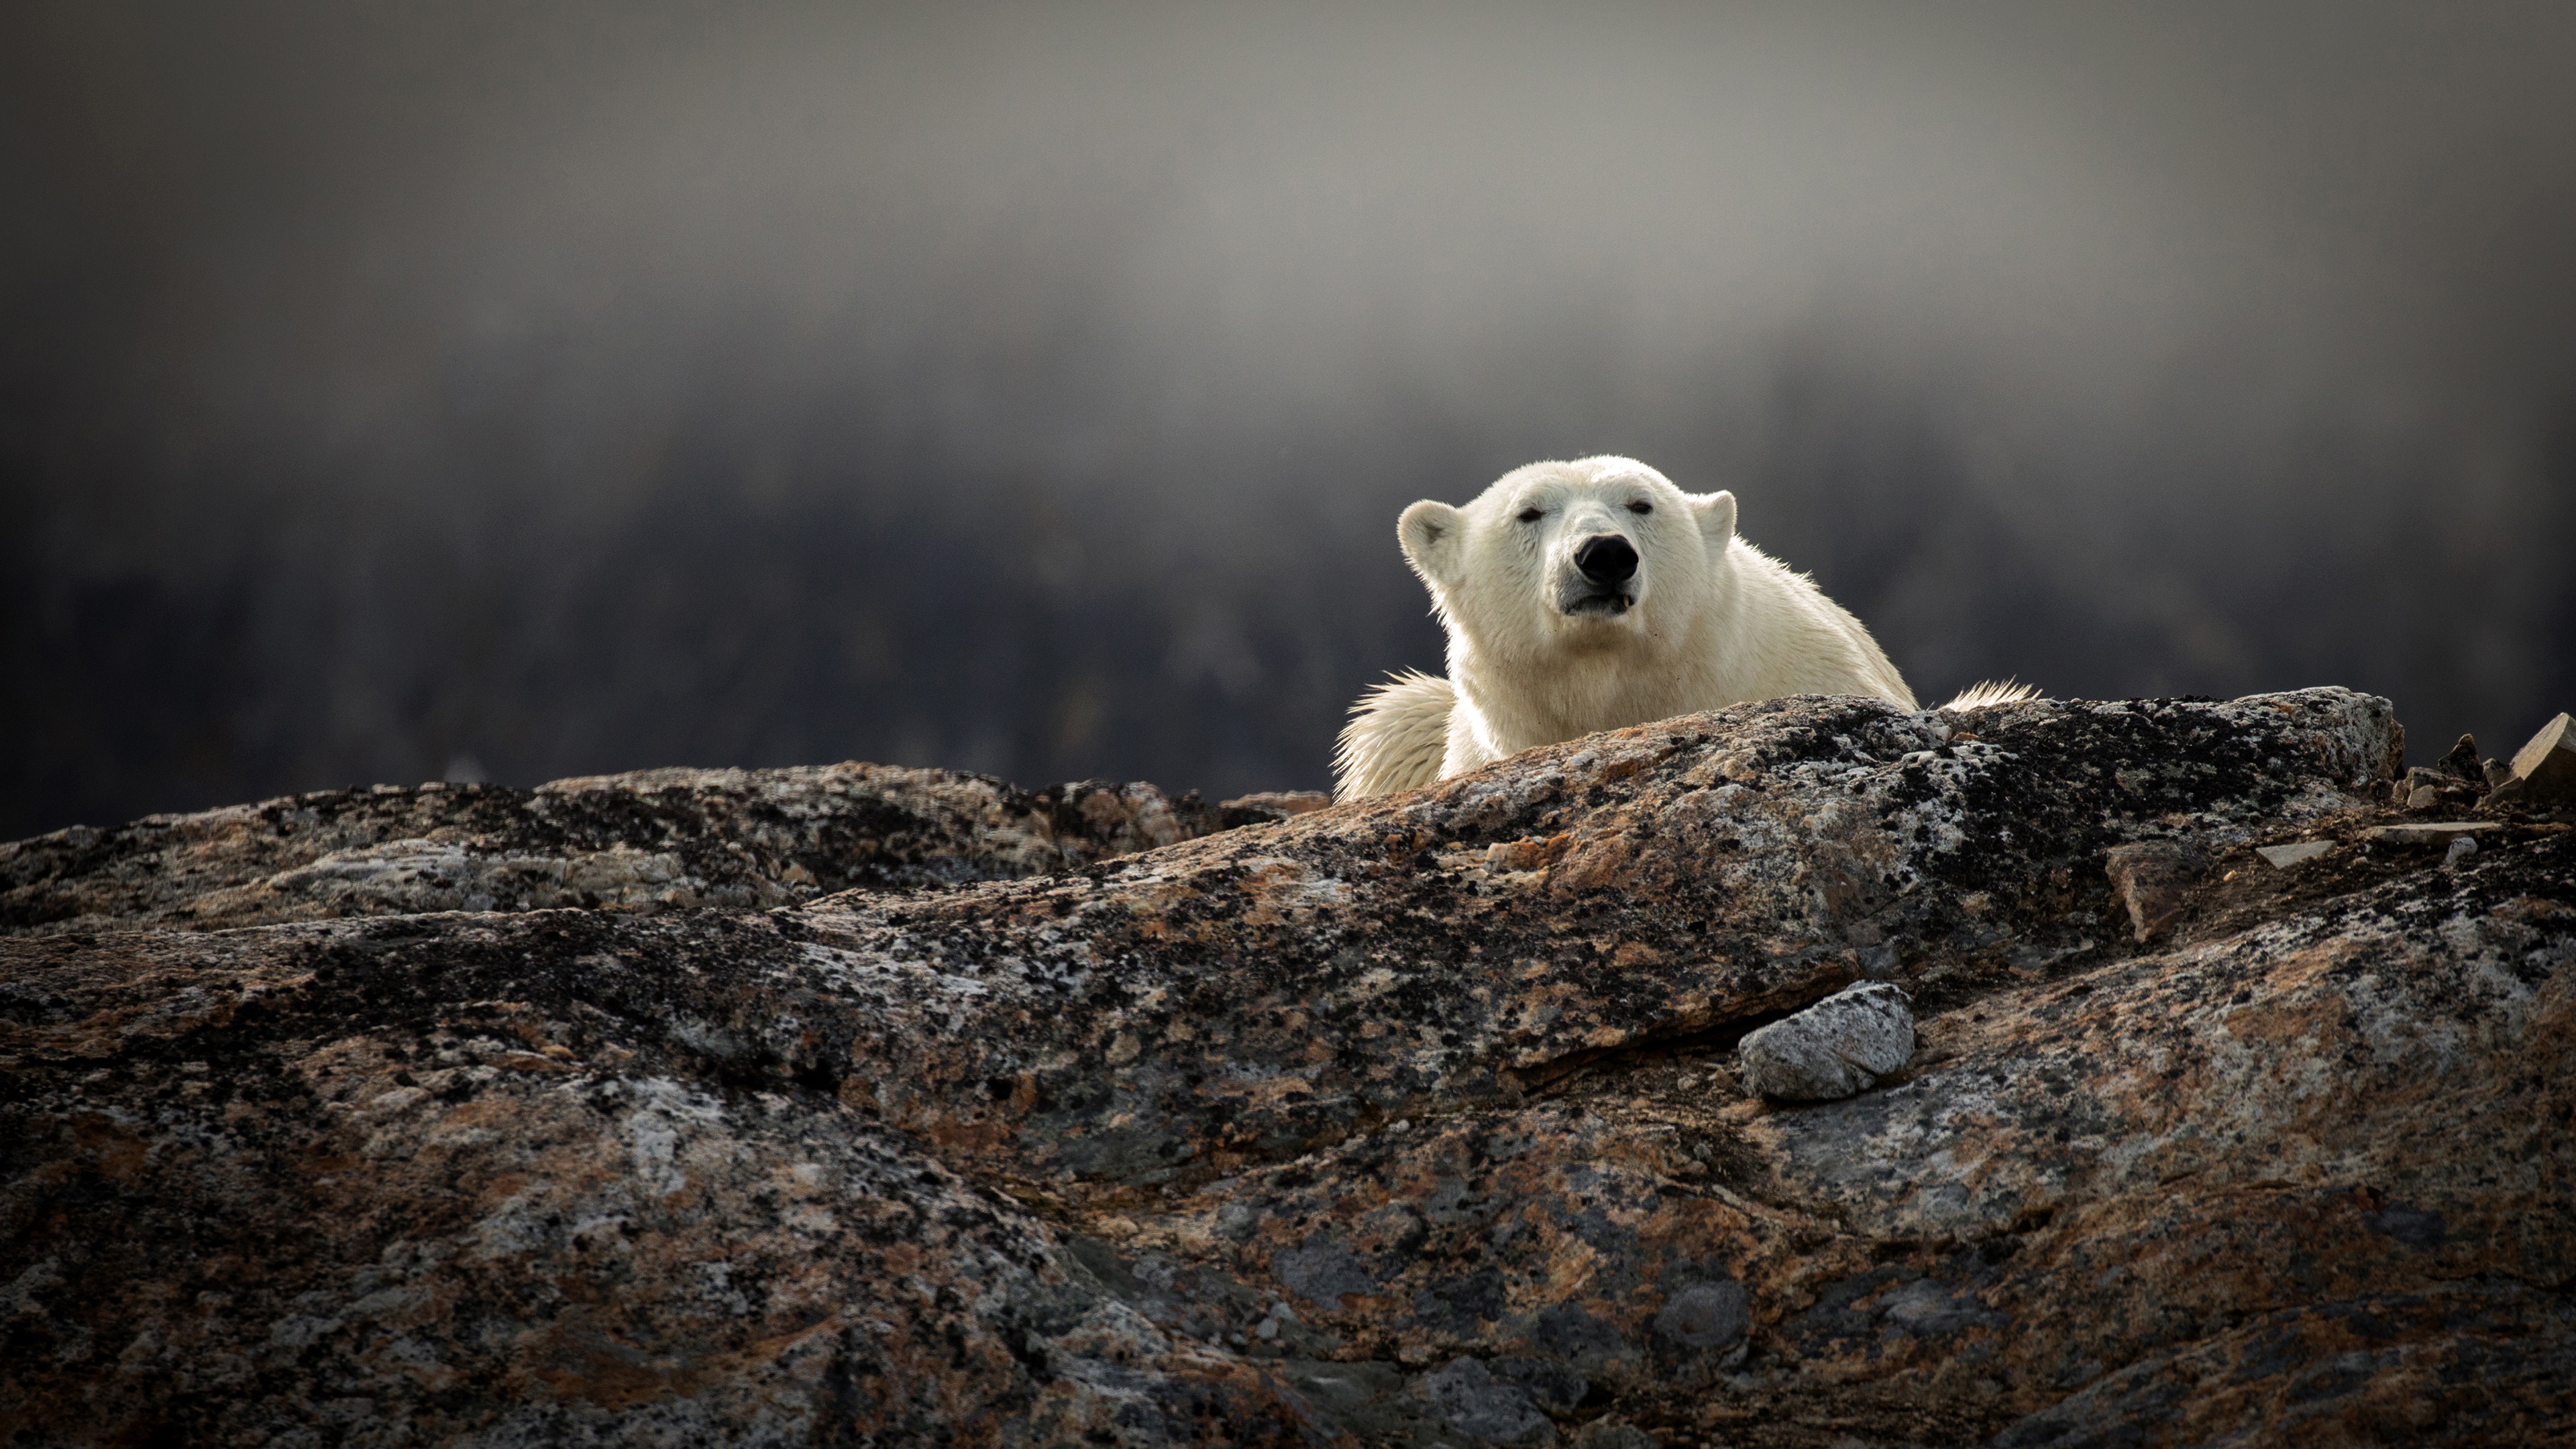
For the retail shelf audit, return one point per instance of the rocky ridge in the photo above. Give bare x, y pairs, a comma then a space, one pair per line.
642, 843
1412, 1120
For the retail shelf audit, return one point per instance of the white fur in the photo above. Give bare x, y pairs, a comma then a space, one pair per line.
1986, 692
1714, 621
1398, 733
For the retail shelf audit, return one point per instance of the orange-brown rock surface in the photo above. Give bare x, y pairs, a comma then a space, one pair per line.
1406, 1121
645, 842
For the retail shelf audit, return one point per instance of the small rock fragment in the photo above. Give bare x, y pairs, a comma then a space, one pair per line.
2461, 846
2462, 762
2505, 794
2154, 879
2455, 780
2283, 857
1840, 1046
2546, 767
2430, 832
1528, 853
1279, 803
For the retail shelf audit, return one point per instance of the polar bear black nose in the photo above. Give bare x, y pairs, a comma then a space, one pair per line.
1606, 559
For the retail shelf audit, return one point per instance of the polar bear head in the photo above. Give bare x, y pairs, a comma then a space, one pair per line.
1600, 553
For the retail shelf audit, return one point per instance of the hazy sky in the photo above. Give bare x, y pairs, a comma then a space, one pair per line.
2165, 300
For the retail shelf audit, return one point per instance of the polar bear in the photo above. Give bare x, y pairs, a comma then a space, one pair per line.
1593, 595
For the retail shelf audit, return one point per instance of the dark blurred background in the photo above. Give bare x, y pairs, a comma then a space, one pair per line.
394, 391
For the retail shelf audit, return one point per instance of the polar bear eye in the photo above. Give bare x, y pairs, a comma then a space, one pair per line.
1641, 506
1532, 515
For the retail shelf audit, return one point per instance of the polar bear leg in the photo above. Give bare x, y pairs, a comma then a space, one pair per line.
1397, 735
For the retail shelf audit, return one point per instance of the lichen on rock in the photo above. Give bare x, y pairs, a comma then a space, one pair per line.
1410, 1121
645, 842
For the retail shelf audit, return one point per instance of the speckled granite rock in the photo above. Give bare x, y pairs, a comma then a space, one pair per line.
649, 841
1840, 1047
1406, 1121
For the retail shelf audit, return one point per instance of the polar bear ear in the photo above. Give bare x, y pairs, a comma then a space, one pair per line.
1716, 515
1430, 534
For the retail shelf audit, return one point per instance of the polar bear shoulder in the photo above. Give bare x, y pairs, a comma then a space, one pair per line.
1787, 637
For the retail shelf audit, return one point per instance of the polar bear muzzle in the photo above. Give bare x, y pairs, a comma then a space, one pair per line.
1607, 564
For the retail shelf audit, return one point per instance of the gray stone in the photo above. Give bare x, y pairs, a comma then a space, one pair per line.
1704, 1315
2546, 765
1466, 1396
2462, 846
1551, 1385
1840, 1046
2430, 832
1928, 1307
1365, 1400
2154, 879
1322, 1272
2301, 852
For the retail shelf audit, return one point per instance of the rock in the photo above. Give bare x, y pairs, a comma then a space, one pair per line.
2430, 832
2283, 857
2545, 767
1466, 1397
2460, 848
1710, 1315
1270, 1135
1839, 1046
2444, 785
646, 842
2154, 879
2462, 763
1280, 804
